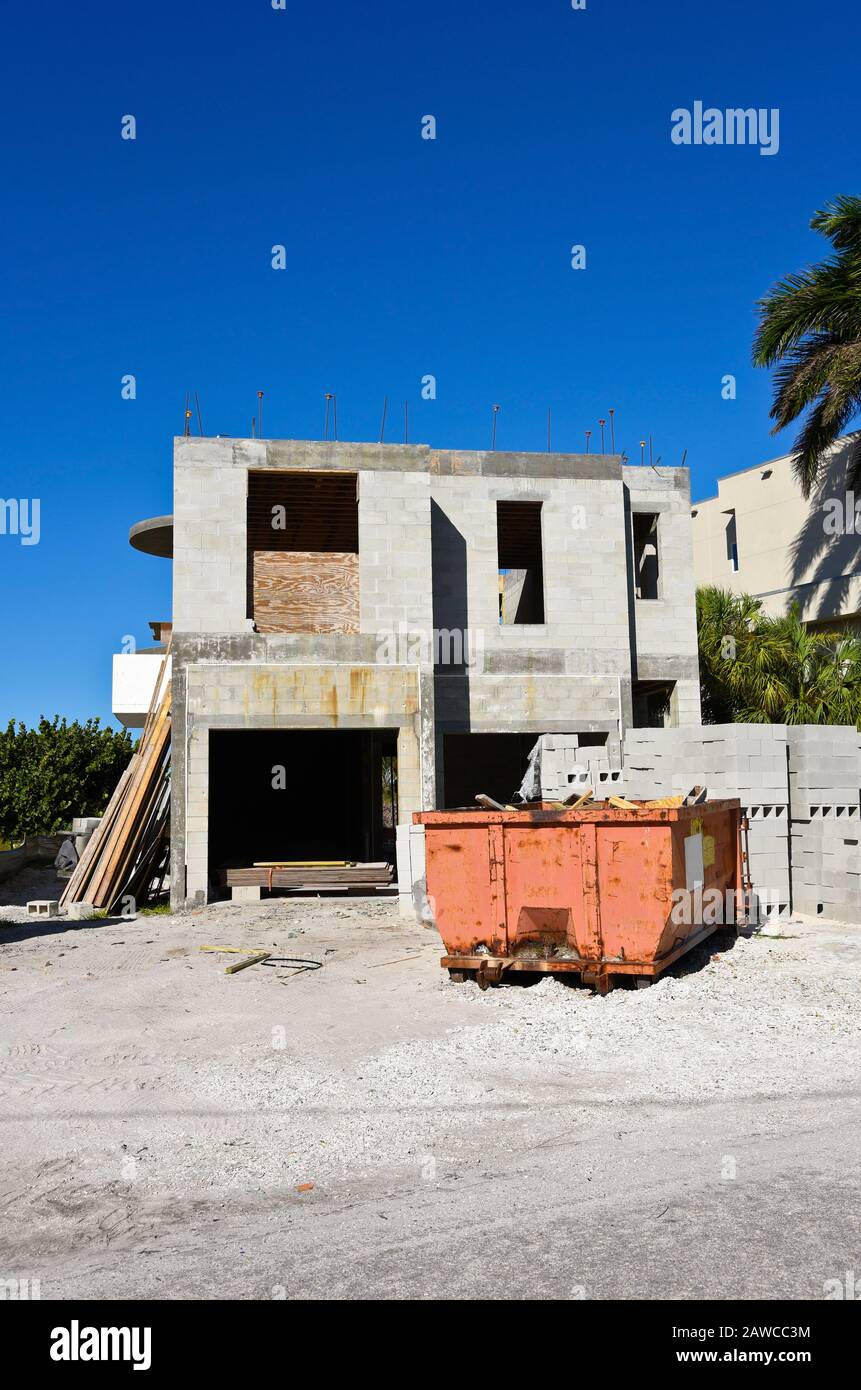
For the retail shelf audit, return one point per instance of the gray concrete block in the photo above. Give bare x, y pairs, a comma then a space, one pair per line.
80, 912
43, 907
246, 893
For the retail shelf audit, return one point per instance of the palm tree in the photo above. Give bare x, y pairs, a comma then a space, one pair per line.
724, 623
810, 328
760, 670
799, 676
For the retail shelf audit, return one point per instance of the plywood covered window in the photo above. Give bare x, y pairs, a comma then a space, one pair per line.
303, 551
520, 562
647, 567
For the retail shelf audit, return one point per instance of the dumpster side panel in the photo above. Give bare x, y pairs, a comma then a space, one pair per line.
705, 869
543, 891
466, 886
635, 882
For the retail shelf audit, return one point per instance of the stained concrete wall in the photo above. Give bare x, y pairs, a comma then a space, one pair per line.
211, 695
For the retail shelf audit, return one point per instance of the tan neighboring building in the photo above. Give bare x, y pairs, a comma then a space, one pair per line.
760, 537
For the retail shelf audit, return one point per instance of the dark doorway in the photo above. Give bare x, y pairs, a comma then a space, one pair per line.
652, 702
302, 794
491, 763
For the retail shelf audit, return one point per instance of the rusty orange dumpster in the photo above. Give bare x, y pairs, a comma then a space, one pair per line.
601, 891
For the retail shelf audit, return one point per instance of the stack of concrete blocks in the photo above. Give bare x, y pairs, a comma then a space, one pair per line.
798, 785
569, 767
826, 821
748, 761
561, 769
82, 829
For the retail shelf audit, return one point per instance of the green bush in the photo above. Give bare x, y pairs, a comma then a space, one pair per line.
55, 771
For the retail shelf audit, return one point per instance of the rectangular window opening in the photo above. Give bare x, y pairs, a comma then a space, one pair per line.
646, 561
520, 563
732, 542
303, 551
652, 704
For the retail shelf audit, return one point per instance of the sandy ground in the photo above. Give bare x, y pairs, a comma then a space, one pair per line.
163, 1123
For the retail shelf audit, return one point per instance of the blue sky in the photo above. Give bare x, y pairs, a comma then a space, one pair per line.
404, 256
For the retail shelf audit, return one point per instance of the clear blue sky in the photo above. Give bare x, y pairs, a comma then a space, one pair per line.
405, 256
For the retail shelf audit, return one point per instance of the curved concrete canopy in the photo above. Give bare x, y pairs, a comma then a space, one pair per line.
153, 536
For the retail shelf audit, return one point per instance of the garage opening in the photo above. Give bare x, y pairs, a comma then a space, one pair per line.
303, 551
300, 795
491, 763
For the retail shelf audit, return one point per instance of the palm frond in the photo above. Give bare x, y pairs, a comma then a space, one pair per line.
809, 329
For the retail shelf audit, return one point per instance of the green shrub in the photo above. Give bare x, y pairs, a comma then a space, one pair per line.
55, 771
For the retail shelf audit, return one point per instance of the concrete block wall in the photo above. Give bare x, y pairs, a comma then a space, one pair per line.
665, 635
685, 706
412, 875
743, 760
666, 626
747, 761
568, 767
210, 537
500, 701
826, 865
210, 490
823, 768
824, 778
394, 552
798, 786
588, 594
584, 562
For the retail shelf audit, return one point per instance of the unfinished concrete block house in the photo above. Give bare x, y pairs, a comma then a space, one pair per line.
362, 631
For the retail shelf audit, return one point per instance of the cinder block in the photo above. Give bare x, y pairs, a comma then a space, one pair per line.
43, 907
246, 893
80, 912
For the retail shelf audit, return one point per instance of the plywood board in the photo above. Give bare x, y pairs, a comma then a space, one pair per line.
306, 591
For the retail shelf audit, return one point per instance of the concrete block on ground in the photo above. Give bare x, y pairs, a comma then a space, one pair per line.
43, 907
80, 912
246, 893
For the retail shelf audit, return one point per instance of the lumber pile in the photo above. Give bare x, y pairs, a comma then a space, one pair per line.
311, 876
129, 852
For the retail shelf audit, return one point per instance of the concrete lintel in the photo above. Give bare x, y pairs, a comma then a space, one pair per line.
319, 722
653, 666
529, 726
